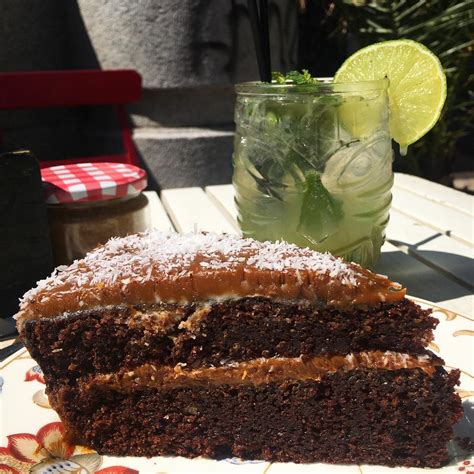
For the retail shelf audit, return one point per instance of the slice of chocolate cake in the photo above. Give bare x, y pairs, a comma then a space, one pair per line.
211, 345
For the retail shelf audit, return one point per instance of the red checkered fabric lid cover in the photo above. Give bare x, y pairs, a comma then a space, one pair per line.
88, 182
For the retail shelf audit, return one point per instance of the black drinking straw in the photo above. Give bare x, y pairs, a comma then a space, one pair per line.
265, 38
263, 66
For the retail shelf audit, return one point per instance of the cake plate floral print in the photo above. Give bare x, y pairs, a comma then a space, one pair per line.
47, 452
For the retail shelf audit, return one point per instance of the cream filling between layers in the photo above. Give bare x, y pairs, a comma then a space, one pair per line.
264, 370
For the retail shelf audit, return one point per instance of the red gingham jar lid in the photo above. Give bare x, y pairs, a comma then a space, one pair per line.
91, 182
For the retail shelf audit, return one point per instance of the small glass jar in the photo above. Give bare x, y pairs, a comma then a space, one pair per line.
79, 223
78, 228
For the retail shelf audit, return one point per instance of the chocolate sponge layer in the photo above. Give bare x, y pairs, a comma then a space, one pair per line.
401, 417
256, 327
106, 339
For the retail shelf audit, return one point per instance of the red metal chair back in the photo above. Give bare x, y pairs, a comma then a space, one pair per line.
44, 89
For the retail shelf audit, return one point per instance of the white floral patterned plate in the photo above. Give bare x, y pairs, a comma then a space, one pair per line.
31, 435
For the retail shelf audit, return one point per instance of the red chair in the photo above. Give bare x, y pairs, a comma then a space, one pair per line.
44, 89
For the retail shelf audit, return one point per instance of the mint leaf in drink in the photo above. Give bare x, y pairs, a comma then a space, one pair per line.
320, 212
294, 77
278, 77
301, 78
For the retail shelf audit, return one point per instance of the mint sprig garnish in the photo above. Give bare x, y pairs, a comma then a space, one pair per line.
294, 77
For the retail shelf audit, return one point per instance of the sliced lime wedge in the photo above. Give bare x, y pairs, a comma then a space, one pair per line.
417, 88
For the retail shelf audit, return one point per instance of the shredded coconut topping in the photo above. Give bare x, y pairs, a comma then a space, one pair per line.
143, 257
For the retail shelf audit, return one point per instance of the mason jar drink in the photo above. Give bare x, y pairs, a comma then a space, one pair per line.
313, 165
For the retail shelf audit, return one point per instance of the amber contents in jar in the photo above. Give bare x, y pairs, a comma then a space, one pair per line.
76, 228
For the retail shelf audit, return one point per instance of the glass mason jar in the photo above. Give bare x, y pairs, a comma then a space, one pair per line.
88, 203
77, 228
313, 165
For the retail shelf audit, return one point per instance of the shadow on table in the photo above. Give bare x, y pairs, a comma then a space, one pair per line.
461, 267
422, 280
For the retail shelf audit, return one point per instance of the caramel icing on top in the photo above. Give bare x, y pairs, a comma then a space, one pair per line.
266, 370
157, 266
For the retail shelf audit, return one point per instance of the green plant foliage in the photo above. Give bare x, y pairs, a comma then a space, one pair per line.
447, 28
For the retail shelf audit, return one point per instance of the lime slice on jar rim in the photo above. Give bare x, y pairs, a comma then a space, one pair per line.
416, 90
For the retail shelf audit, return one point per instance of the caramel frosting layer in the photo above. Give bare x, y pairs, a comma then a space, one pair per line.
264, 371
170, 267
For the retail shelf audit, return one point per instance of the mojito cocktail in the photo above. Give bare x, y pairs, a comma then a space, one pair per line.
313, 165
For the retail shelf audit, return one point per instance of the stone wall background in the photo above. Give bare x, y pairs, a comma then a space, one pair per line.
189, 53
